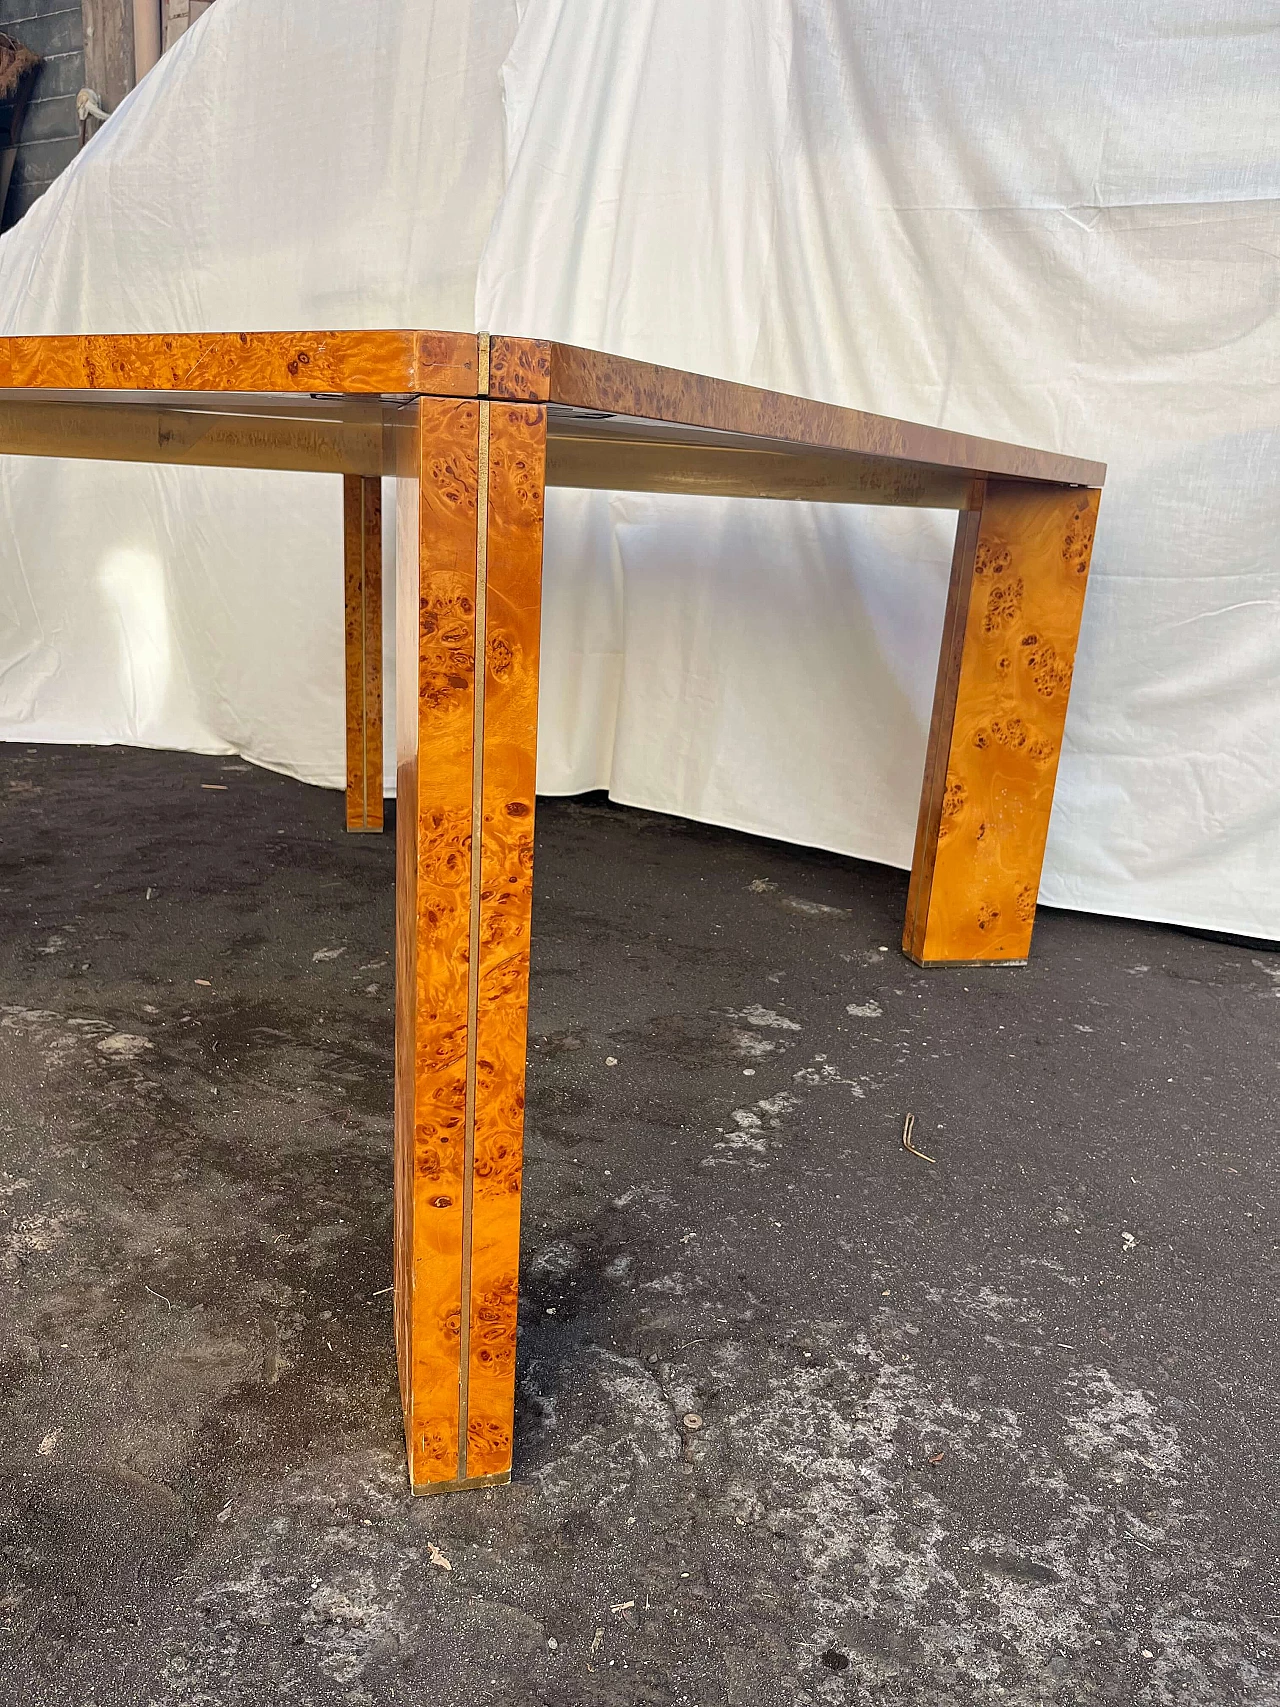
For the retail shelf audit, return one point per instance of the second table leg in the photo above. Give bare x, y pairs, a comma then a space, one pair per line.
1008, 648
362, 587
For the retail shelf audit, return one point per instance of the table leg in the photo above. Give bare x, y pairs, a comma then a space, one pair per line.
362, 551
1008, 646
469, 580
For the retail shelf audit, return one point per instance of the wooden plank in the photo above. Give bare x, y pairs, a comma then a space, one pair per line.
147, 36
1017, 592
393, 363
176, 20
108, 50
527, 368
179, 15
509, 712
133, 432
362, 553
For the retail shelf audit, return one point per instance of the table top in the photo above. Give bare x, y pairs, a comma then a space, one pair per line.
319, 400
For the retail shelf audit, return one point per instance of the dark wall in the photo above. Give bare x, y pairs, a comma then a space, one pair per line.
50, 133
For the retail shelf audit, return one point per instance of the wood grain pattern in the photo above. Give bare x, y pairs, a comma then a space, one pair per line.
604, 456
589, 379
466, 755
402, 363
108, 49
946, 684
131, 432
520, 369
438, 632
463, 964
1018, 586
446, 364
362, 576
356, 363
513, 614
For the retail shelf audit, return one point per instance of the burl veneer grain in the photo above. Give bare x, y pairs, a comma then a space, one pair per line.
362, 573
437, 633
465, 826
356, 363
590, 379
513, 608
1017, 592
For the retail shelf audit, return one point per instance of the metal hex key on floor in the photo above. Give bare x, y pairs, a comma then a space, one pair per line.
474, 428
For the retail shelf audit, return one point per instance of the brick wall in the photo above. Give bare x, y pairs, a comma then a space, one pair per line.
50, 133
55, 30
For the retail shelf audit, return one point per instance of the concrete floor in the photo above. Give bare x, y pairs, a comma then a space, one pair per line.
999, 1427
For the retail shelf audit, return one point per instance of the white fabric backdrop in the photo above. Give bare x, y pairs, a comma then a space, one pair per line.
1059, 227
288, 164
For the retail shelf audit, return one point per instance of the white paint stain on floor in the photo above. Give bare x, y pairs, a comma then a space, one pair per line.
861, 1457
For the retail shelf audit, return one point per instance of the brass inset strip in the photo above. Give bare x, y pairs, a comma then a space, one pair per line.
473, 951
482, 363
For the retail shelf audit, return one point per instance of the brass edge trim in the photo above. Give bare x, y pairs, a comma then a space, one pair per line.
498, 1479
473, 944
482, 363
959, 965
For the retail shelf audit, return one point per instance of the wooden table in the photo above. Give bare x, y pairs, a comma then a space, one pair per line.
474, 428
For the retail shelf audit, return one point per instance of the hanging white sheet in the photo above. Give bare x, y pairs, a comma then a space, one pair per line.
1059, 227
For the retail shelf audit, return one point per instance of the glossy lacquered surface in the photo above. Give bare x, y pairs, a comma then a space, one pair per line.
473, 429
468, 757
362, 363
436, 575
399, 364
1018, 582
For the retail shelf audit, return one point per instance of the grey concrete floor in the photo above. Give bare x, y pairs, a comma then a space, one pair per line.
995, 1428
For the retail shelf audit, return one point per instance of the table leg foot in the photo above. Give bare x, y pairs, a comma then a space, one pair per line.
500, 1480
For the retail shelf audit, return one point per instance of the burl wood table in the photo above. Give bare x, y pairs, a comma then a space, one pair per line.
473, 428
